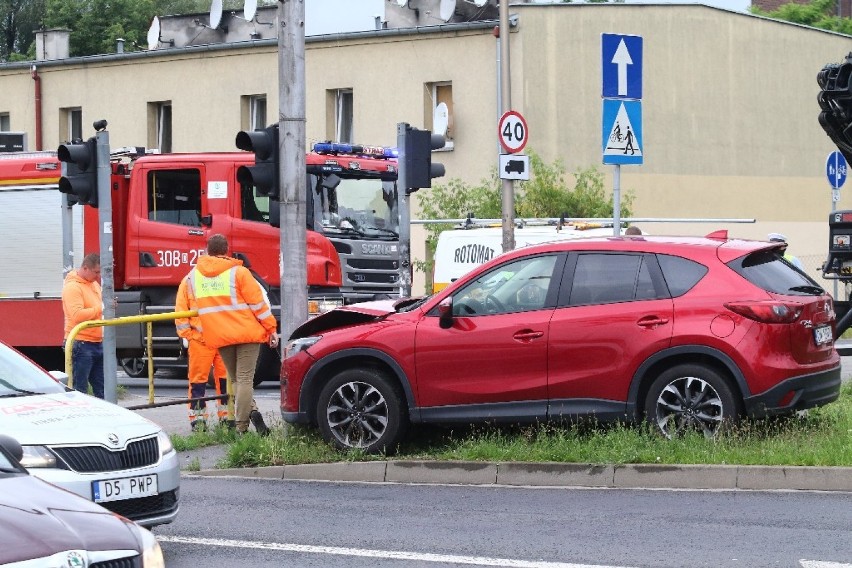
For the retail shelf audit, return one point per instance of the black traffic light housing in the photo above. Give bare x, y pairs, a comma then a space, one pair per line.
263, 175
80, 181
415, 157
835, 100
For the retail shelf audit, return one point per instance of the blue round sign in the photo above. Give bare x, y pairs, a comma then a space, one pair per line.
835, 169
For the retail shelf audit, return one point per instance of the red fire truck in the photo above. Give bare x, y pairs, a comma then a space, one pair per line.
164, 206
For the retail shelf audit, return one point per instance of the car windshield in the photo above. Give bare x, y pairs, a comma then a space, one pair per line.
354, 207
20, 377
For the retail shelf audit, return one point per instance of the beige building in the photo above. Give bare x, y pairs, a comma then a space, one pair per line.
729, 104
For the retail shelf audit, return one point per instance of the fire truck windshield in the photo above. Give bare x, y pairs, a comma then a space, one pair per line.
355, 208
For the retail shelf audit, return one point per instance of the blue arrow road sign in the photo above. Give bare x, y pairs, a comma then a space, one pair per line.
835, 169
622, 132
621, 63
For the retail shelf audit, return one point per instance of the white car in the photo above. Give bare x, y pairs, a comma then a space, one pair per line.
100, 451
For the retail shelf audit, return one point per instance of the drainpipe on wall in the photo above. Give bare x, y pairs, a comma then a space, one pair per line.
37, 80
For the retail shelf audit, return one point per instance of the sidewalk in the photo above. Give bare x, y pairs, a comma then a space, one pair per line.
720, 477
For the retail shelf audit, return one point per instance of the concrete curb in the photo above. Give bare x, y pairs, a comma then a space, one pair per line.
646, 476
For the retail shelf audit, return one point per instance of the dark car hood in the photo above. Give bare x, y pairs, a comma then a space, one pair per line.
352, 314
38, 519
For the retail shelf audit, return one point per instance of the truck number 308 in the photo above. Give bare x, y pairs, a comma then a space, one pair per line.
178, 257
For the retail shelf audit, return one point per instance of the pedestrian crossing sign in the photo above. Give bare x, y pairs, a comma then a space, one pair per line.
622, 132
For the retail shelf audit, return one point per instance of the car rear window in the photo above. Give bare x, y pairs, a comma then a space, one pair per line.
768, 270
681, 274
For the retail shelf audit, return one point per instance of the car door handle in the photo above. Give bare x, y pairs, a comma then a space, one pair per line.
527, 335
652, 321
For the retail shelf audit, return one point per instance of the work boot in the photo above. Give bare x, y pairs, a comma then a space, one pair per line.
230, 424
198, 426
257, 419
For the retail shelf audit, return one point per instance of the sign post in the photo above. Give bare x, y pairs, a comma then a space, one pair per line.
621, 93
512, 132
835, 170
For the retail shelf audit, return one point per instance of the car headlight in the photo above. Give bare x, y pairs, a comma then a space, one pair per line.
37, 456
165, 443
152, 555
298, 345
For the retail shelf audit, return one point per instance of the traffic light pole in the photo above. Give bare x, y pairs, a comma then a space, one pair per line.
508, 201
291, 140
107, 264
404, 214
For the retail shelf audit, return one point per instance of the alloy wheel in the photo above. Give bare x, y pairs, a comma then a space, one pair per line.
357, 414
689, 403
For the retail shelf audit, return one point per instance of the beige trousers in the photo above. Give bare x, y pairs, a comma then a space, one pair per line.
240, 361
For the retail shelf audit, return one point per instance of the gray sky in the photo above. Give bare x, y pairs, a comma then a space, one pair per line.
332, 16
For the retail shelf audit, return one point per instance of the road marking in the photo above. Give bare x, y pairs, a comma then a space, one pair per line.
386, 554
823, 564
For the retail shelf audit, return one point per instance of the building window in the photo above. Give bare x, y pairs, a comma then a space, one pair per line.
71, 124
5, 122
160, 126
253, 112
339, 105
439, 110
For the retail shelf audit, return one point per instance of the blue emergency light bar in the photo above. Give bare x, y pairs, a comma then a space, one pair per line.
356, 149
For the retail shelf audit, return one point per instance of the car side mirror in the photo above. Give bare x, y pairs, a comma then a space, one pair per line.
207, 221
445, 312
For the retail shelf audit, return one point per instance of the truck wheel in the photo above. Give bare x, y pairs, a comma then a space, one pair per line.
135, 367
361, 408
691, 397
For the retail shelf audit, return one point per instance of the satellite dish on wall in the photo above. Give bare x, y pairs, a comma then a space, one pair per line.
401, 3
250, 10
440, 119
480, 3
154, 34
447, 9
215, 13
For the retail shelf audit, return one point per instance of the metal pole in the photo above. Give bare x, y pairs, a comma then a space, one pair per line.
291, 140
833, 209
404, 214
508, 206
67, 232
616, 200
107, 272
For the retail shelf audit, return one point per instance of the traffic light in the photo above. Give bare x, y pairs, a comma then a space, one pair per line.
263, 175
80, 181
835, 100
415, 157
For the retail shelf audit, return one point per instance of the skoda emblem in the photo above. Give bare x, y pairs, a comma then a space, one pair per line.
75, 560
113, 438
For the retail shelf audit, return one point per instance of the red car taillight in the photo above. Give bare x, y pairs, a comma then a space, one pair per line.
767, 311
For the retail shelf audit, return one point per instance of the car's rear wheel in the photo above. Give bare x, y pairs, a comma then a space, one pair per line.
691, 397
361, 408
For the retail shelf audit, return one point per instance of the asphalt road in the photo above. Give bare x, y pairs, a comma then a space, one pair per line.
260, 523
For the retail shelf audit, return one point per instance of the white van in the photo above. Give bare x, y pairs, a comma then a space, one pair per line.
461, 250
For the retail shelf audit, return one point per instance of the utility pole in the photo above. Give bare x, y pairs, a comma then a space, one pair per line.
508, 206
291, 141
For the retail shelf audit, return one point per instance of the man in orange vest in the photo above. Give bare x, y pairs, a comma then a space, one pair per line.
236, 319
201, 358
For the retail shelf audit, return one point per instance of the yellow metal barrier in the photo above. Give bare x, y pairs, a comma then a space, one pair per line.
148, 320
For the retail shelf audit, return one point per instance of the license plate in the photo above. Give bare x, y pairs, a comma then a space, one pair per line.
822, 335
124, 488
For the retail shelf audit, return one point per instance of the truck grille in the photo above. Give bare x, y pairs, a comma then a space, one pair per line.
92, 459
372, 264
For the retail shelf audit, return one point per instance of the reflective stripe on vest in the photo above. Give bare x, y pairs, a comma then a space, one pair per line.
224, 284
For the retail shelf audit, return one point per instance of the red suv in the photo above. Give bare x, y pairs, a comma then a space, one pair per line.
684, 332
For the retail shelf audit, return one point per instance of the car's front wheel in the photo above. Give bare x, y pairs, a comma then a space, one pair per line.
134, 367
691, 397
361, 408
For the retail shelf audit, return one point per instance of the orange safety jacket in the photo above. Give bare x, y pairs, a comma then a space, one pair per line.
232, 306
187, 328
81, 301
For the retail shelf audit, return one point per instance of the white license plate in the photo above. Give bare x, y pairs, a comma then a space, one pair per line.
822, 335
124, 488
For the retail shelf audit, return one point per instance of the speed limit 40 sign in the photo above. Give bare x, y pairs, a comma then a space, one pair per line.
512, 131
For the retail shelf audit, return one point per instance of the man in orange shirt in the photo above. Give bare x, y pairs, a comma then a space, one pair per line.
81, 301
236, 319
